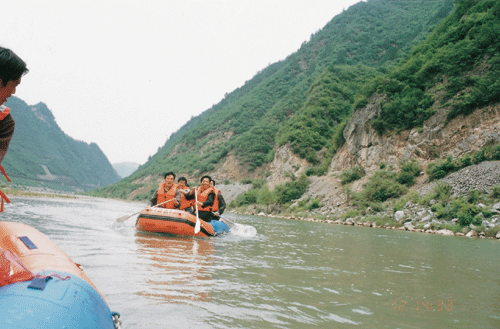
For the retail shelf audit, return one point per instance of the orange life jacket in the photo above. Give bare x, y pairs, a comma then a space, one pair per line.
12, 269
4, 113
163, 196
8, 130
215, 206
185, 203
202, 197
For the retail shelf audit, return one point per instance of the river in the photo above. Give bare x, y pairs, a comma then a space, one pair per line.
273, 273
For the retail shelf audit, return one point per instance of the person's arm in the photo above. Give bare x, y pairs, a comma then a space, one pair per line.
210, 200
6, 131
222, 204
190, 195
177, 198
154, 198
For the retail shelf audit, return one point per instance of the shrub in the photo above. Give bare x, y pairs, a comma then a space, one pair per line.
437, 170
493, 231
266, 197
316, 171
475, 196
249, 197
495, 192
466, 160
351, 175
351, 213
412, 167
291, 190
468, 214
383, 186
478, 157
442, 191
315, 204
406, 178
258, 183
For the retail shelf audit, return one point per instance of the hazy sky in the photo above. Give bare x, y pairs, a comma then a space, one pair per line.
127, 74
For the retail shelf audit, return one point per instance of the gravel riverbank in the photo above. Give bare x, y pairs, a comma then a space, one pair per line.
419, 218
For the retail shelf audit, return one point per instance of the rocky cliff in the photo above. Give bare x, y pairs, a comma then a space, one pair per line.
437, 139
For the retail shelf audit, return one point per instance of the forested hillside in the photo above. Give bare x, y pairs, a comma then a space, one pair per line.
460, 60
303, 101
42, 154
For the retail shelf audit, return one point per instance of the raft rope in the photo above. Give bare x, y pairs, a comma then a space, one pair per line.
53, 275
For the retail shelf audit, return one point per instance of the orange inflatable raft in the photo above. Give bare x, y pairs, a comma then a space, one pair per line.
41, 287
177, 222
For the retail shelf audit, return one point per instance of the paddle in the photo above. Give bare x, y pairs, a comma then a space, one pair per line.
224, 219
124, 218
198, 222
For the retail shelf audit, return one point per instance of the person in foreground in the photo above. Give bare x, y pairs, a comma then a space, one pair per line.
219, 204
12, 68
206, 196
168, 194
186, 205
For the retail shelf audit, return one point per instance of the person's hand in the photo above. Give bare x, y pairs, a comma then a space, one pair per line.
217, 214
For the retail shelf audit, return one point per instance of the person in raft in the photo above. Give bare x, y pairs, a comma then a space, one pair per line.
219, 204
168, 194
12, 68
206, 196
186, 205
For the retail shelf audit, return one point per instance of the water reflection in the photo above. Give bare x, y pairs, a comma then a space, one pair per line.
177, 268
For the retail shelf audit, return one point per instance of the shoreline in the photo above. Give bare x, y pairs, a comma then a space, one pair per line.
413, 218
360, 223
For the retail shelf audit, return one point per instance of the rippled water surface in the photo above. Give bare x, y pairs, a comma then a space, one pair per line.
286, 274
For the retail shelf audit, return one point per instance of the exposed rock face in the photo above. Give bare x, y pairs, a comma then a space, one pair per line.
327, 189
437, 138
285, 162
230, 170
364, 144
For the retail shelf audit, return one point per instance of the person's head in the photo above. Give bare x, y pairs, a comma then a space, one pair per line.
205, 181
12, 68
169, 178
212, 183
183, 183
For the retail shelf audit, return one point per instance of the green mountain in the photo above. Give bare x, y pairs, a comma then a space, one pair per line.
40, 153
302, 101
461, 59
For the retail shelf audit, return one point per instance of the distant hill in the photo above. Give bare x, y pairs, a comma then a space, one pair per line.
302, 102
41, 154
125, 169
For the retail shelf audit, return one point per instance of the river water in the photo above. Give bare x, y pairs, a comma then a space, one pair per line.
273, 273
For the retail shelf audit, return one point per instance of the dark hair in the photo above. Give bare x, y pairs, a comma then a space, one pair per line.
213, 181
206, 176
168, 174
183, 179
12, 67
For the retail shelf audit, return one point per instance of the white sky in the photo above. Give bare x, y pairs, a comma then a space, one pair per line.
127, 74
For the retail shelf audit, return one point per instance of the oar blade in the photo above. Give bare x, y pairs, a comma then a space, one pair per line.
123, 218
197, 227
